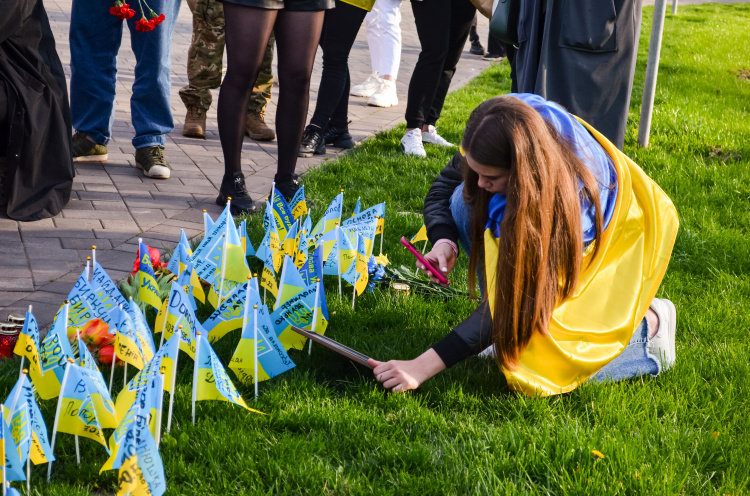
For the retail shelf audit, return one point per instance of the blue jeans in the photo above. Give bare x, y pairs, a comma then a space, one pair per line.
634, 360
95, 37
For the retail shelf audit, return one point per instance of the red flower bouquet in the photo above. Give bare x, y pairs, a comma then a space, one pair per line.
123, 12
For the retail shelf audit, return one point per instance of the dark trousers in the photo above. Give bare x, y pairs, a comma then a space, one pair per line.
340, 28
442, 27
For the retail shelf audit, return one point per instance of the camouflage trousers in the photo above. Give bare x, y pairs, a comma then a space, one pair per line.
205, 58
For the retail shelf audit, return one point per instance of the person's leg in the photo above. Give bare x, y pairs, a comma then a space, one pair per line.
634, 361
297, 37
374, 32
389, 43
95, 37
339, 32
433, 21
150, 108
246, 28
260, 97
205, 59
461, 14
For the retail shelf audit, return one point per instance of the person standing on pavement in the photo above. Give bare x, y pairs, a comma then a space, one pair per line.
443, 27
205, 58
95, 36
383, 26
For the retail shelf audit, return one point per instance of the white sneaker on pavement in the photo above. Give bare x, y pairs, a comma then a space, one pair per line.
661, 347
431, 136
411, 143
385, 96
368, 87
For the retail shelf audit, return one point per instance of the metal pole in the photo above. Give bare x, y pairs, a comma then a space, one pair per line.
652, 69
674, 6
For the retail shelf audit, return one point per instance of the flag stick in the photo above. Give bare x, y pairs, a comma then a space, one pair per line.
356, 256
424, 247
255, 348
338, 256
315, 315
157, 434
57, 418
88, 262
80, 357
5, 488
164, 324
78, 452
28, 475
112, 370
381, 234
196, 364
174, 383
93, 260
125, 376
22, 356
223, 265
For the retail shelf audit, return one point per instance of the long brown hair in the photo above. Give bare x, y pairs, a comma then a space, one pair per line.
541, 240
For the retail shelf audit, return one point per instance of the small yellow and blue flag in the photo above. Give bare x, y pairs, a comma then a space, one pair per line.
78, 415
27, 344
228, 317
54, 353
420, 236
9, 453
282, 214
148, 288
298, 204
290, 283
331, 217
27, 424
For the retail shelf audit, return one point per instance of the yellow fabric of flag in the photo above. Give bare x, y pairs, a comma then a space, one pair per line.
420, 236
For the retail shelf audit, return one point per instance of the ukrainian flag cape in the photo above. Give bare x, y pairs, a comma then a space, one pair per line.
594, 325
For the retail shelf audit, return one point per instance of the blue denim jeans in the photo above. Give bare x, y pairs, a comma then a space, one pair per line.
95, 37
634, 360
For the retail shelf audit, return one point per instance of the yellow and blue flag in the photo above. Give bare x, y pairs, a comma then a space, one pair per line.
9, 453
148, 288
27, 344
282, 214
27, 424
180, 312
299, 311
105, 407
100, 281
141, 328
181, 265
357, 274
208, 222
213, 381
232, 271
366, 229
302, 248
291, 282
146, 379
268, 276
420, 236
208, 253
228, 317
357, 207
54, 353
338, 251
247, 245
312, 270
298, 204
128, 345
272, 357
134, 453
291, 241
78, 415
330, 218
84, 304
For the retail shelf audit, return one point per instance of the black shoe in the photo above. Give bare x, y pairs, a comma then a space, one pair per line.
312, 142
338, 136
234, 187
476, 48
493, 56
288, 187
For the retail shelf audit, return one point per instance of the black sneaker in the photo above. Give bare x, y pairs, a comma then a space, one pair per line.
312, 142
151, 160
288, 187
234, 187
338, 136
476, 48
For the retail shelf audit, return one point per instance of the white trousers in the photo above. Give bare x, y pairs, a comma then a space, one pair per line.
383, 24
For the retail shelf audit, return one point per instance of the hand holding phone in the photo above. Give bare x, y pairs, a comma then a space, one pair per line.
440, 277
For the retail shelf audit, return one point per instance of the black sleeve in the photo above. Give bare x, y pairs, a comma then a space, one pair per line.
468, 338
437, 212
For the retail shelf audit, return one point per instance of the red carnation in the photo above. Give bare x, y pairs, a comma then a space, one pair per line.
122, 11
143, 25
153, 253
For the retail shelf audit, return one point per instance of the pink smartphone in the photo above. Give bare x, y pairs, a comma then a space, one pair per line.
440, 277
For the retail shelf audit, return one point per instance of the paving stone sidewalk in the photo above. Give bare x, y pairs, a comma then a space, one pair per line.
113, 205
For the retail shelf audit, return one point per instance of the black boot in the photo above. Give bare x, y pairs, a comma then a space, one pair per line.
338, 136
234, 187
288, 186
312, 142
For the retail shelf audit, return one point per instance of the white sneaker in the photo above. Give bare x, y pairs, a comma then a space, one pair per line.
488, 352
411, 143
433, 137
368, 87
661, 347
385, 96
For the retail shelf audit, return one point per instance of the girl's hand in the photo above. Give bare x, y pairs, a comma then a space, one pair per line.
443, 258
400, 376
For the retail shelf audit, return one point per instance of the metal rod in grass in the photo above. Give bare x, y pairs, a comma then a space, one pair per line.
174, 383
26, 323
196, 364
57, 416
93, 260
159, 411
318, 289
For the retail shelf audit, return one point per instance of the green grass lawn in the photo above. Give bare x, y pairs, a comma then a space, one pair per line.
331, 429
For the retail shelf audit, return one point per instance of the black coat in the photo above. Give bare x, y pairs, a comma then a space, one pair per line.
36, 137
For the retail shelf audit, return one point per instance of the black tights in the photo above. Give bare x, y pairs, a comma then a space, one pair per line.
247, 32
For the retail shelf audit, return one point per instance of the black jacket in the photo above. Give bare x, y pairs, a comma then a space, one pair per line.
35, 130
475, 333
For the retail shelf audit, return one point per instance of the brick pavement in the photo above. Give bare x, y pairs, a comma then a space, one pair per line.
113, 204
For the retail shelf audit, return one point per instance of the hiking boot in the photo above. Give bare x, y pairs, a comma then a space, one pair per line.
234, 187
368, 87
476, 48
338, 136
195, 123
151, 160
85, 150
257, 129
312, 142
